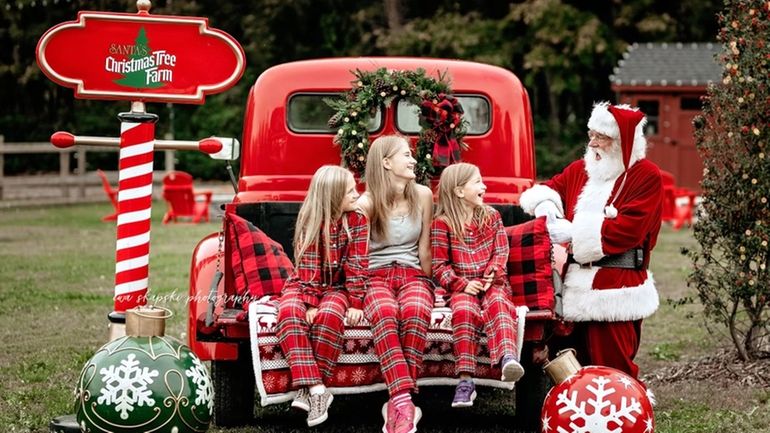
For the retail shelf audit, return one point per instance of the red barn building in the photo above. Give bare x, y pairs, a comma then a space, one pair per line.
666, 80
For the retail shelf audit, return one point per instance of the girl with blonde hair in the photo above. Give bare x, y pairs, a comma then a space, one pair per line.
470, 252
399, 299
327, 286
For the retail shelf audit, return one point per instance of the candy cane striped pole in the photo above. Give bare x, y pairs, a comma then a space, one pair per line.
132, 256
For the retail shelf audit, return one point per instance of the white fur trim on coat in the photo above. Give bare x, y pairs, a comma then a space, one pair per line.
604, 122
582, 303
588, 220
587, 237
537, 194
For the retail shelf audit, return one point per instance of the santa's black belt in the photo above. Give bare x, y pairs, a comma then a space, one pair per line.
631, 259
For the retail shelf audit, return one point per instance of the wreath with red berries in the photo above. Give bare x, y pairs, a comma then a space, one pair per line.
442, 126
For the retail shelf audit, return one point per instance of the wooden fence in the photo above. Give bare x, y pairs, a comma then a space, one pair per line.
70, 185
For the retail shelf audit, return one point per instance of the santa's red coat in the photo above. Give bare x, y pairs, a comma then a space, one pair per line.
600, 293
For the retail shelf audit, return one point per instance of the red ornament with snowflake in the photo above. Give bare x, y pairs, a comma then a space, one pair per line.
597, 400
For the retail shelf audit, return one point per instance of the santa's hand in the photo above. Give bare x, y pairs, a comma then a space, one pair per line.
559, 230
548, 209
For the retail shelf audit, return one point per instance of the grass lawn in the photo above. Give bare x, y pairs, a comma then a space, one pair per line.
56, 279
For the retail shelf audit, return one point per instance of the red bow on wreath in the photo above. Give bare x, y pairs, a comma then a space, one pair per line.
443, 115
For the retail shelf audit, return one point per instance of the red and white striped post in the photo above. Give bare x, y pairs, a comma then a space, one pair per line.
132, 254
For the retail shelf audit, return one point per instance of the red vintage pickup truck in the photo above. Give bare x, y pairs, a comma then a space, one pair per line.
285, 139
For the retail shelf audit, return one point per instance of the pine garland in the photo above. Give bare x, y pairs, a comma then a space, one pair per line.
372, 90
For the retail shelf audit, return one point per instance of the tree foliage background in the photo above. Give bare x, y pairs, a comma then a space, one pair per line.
731, 268
563, 51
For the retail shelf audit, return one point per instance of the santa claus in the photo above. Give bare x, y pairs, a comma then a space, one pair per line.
608, 206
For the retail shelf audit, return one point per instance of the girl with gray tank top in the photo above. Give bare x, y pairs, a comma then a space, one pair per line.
399, 298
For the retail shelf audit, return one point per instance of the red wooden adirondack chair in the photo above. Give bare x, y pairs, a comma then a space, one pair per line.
181, 198
676, 214
112, 194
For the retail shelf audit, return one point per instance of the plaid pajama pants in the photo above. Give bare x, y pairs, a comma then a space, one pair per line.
311, 351
494, 310
398, 304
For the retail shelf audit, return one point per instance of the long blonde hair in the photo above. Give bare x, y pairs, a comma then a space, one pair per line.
450, 207
322, 207
380, 186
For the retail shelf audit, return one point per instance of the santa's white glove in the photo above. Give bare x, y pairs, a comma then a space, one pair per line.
560, 230
548, 209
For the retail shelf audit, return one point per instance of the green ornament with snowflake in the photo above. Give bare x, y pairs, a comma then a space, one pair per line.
145, 384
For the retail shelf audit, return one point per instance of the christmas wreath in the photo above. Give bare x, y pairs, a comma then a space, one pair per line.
440, 115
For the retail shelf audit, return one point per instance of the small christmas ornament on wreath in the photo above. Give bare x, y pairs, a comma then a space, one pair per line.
439, 142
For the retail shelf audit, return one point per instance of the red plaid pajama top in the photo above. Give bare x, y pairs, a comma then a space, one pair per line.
455, 263
345, 268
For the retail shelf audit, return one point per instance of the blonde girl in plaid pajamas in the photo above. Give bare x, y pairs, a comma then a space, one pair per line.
470, 252
399, 299
328, 285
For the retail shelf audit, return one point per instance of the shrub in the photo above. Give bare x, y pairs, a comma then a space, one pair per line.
730, 269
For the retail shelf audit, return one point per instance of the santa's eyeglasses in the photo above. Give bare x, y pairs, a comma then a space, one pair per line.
595, 136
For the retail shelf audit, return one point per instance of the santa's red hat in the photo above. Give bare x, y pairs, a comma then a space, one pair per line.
625, 125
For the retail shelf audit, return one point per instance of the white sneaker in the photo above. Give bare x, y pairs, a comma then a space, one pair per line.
319, 408
302, 400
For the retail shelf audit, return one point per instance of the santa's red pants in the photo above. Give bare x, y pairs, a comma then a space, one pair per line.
311, 351
612, 344
398, 304
494, 311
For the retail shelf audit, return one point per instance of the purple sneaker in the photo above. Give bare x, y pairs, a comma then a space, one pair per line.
465, 393
512, 370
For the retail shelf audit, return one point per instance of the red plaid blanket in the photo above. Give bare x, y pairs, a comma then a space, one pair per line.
259, 264
529, 265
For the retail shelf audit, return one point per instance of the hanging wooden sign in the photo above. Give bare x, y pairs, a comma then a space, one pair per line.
140, 57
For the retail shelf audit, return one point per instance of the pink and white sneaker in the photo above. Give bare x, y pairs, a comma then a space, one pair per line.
389, 415
401, 419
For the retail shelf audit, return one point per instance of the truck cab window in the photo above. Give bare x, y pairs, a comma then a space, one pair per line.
308, 113
477, 113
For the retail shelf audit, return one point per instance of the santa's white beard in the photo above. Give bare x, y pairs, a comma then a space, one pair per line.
609, 167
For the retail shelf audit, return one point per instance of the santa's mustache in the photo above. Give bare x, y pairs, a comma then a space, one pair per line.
603, 163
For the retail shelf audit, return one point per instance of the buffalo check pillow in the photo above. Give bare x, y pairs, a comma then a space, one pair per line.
259, 264
529, 264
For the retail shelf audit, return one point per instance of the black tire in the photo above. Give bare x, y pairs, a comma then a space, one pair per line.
233, 390
531, 390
